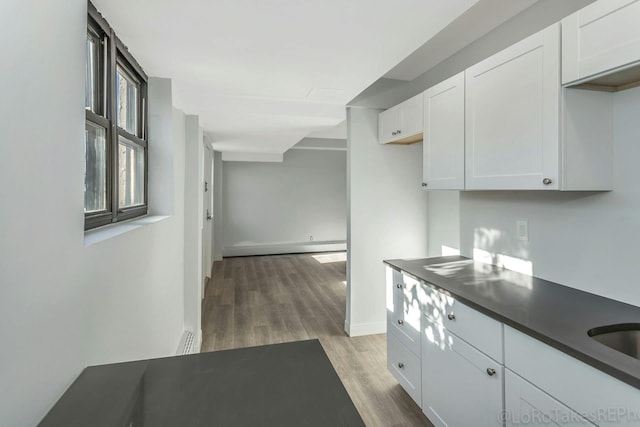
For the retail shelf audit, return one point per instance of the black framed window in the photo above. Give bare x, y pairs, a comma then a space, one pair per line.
116, 146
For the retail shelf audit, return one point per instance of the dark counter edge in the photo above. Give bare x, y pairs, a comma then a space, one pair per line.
567, 349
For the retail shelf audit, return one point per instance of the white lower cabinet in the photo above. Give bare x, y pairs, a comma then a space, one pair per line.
461, 386
600, 398
471, 370
526, 404
403, 332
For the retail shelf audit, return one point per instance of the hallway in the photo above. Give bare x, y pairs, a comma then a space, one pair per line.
272, 299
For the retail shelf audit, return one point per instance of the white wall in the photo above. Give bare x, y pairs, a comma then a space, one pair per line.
193, 226
217, 206
443, 222
386, 216
587, 241
276, 207
65, 306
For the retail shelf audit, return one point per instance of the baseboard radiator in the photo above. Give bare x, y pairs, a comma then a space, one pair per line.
187, 344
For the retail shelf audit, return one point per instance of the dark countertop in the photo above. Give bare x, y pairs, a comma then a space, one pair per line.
290, 384
555, 314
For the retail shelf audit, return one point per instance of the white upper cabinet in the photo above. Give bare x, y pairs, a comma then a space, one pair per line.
512, 114
599, 39
388, 123
443, 149
402, 124
524, 132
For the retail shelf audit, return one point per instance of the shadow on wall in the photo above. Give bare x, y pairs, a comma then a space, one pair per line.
487, 244
497, 244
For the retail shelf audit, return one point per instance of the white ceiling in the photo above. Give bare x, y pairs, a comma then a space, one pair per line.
263, 74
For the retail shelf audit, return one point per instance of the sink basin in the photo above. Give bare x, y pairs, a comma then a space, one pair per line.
624, 338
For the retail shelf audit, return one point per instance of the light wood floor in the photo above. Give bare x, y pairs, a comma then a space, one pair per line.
272, 299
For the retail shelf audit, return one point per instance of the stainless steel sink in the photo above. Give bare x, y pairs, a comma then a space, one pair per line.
624, 338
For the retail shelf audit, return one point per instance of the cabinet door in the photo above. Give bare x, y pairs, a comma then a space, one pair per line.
526, 404
512, 116
388, 124
460, 385
602, 36
411, 117
571, 381
443, 146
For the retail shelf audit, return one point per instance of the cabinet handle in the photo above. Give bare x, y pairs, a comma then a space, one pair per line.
401, 365
399, 131
393, 133
399, 285
451, 316
547, 181
491, 372
400, 322
424, 184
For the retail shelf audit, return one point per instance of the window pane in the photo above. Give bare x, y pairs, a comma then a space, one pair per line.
95, 177
131, 173
127, 102
92, 75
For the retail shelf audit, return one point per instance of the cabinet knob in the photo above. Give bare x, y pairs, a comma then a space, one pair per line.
451, 316
401, 365
400, 322
399, 285
547, 181
491, 372
424, 184
399, 131
393, 133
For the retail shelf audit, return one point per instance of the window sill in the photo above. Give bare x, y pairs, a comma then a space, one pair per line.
91, 237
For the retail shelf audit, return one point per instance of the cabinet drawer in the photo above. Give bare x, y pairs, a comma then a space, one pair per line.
406, 330
405, 367
403, 292
403, 313
586, 390
406, 294
526, 404
477, 329
461, 385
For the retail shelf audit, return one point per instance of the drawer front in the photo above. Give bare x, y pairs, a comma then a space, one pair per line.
525, 404
405, 367
406, 330
477, 329
406, 294
602, 399
403, 292
403, 315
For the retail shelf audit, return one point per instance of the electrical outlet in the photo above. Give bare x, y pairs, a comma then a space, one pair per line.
522, 230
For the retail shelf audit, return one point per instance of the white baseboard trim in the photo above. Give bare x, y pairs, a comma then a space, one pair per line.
285, 248
365, 328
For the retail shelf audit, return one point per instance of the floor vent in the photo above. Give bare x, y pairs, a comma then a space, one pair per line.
186, 345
